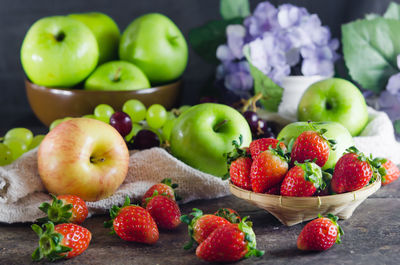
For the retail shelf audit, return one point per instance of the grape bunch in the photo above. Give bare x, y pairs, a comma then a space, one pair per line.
260, 128
15, 143
142, 128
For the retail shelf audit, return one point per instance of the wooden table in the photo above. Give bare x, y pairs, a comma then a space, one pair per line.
372, 236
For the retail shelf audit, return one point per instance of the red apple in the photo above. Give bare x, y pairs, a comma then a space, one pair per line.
83, 157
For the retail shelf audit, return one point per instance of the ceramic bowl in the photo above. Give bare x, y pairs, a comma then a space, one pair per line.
50, 104
293, 210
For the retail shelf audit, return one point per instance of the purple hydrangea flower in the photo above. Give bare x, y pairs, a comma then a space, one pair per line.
278, 39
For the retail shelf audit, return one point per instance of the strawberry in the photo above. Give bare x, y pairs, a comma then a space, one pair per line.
228, 243
239, 172
165, 212
312, 146
201, 226
392, 172
274, 190
60, 241
260, 145
320, 234
133, 223
302, 180
354, 170
268, 169
166, 188
229, 214
64, 209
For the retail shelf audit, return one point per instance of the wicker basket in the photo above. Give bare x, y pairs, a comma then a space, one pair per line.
294, 210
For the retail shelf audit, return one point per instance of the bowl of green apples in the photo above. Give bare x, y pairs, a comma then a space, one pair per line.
75, 62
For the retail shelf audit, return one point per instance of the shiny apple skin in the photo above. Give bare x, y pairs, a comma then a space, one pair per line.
83, 157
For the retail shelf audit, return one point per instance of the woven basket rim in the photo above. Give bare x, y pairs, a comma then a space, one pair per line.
305, 201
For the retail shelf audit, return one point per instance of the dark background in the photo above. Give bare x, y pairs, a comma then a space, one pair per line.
16, 16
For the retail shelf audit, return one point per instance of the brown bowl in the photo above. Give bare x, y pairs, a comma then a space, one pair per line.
50, 104
293, 210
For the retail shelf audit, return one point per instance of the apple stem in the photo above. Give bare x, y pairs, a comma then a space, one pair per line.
220, 124
95, 160
117, 75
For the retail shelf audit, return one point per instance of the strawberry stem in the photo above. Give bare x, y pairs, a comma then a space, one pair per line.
57, 212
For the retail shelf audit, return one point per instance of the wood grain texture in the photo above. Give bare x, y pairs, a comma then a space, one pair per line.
372, 236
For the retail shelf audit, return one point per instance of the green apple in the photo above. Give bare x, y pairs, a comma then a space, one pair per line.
336, 100
117, 75
106, 32
203, 134
156, 45
334, 131
59, 52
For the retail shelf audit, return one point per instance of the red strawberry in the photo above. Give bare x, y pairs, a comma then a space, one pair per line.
392, 172
268, 169
239, 172
312, 145
201, 226
302, 180
60, 241
164, 211
274, 190
166, 188
64, 209
354, 170
260, 145
229, 214
320, 234
228, 243
133, 223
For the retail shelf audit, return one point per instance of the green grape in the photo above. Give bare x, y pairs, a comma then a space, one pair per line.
182, 109
135, 109
167, 129
16, 146
89, 116
156, 116
5, 155
55, 123
170, 115
23, 134
36, 141
103, 112
135, 128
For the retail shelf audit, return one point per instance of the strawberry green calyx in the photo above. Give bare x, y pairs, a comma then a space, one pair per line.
246, 227
168, 182
279, 151
232, 217
57, 212
376, 164
334, 220
197, 213
312, 173
49, 243
235, 154
114, 211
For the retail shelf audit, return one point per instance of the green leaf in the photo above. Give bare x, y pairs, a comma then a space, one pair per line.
396, 125
393, 11
272, 92
370, 48
234, 8
206, 39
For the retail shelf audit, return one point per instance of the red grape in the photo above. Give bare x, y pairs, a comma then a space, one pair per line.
121, 122
145, 139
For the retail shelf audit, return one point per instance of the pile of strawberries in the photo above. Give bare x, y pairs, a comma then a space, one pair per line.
222, 236
268, 166
61, 235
